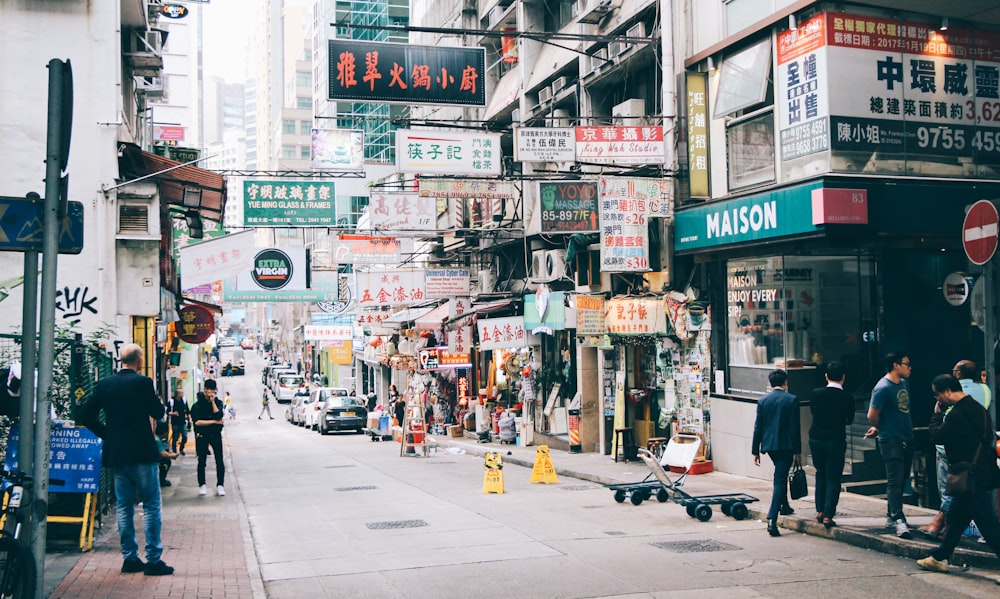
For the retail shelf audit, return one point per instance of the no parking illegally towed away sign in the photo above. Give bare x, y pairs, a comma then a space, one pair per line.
979, 232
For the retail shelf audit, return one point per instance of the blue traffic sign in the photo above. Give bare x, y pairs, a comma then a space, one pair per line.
22, 228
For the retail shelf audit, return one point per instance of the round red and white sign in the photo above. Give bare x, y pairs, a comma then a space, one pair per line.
979, 232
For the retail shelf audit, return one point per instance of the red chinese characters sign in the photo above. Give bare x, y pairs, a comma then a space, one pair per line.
385, 72
502, 333
390, 288
636, 316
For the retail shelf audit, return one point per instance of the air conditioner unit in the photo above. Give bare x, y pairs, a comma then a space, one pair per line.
559, 84
515, 115
544, 95
617, 48
538, 268
598, 60
151, 86
494, 16
555, 264
628, 113
637, 31
487, 281
594, 11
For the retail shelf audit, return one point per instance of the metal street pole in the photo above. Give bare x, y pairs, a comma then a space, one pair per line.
29, 360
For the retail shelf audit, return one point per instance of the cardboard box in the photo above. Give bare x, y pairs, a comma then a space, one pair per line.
455, 431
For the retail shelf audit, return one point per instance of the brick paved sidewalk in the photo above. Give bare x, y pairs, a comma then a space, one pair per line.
206, 539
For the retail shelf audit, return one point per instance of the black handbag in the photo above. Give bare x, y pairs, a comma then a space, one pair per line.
797, 486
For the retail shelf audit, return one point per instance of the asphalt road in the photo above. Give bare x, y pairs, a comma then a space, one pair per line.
341, 516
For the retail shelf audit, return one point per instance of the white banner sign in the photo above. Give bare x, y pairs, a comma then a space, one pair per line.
624, 232
389, 288
460, 340
216, 259
458, 306
402, 211
635, 316
656, 196
502, 333
448, 152
364, 249
468, 188
620, 145
328, 332
543, 144
446, 283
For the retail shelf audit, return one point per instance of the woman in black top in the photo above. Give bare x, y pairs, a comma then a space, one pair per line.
832, 410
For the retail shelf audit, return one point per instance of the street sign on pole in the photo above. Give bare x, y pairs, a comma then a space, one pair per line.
22, 229
979, 232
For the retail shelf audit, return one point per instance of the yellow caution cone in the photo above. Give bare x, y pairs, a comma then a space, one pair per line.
493, 477
543, 470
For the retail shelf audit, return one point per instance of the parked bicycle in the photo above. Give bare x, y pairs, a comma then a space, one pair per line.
18, 571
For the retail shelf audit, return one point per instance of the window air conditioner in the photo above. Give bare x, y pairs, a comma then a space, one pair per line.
637, 31
555, 264
538, 268
544, 95
616, 48
559, 84
138, 220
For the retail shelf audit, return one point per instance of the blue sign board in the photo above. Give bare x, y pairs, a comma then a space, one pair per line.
762, 216
22, 226
75, 459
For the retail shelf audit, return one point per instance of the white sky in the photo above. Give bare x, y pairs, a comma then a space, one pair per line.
228, 29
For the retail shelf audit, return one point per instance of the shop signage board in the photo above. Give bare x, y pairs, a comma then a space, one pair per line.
440, 358
636, 316
365, 249
211, 229
502, 333
620, 145
458, 306
328, 332
568, 206
697, 122
468, 189
590, 315
544, 144
323, 289
75, 457
338, 149
551, 318
402, 211
448, 152
459, 339
656, 196
445, 283
196, 324
956, 288
839, 206
216, 259
393, 288
753, 218
371, 318
277, 203
979, 232
168, 133
341, 352
275, 269
803, 98
362, 71
624, 233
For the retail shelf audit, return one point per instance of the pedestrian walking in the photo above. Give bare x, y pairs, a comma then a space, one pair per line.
777, 432
891, 424
832, 411
180, 415
128, 400
968, 438
206, 413
265, 407
230, 408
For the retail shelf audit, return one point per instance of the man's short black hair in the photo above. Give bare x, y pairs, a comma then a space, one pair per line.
946, 382
777, 378
210, 384
894, 358
835, 371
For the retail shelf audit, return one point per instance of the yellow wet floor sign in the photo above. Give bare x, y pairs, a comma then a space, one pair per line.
543, 470
493, 477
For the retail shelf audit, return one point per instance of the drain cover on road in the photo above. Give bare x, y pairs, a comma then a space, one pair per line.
697, 546
577, 487
361, 488
395, 524
614, 533
341, 466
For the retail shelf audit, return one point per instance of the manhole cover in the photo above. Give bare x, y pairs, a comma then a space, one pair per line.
614, 533
442, 462
361, 488
697, 546
577, 487
395, 524
341, 466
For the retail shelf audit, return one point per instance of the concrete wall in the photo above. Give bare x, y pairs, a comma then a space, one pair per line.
732, 438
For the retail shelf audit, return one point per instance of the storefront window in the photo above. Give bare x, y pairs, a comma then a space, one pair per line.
795, 312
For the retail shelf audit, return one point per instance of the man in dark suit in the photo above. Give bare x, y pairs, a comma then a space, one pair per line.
832, 410
777, 433
129, 401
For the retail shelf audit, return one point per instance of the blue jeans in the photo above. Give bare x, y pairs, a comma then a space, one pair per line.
828, 458
898, 458
965, 508
942, 478
779, 492
143, 479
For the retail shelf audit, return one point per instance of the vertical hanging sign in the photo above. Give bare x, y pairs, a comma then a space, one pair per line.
697, 133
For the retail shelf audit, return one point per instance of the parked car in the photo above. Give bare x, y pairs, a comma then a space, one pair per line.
287, 385
340, 411
319, 396
272, 378
301, 409
234, 369
227, 342
247, 343
294, 409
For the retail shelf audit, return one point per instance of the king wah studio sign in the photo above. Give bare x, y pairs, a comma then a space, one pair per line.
385, 72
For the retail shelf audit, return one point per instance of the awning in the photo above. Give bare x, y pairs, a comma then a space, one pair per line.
433, 319
397, 320
133, 163
506, 93
206, 305
478, 310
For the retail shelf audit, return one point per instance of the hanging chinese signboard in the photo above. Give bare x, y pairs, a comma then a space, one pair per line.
288, 203
448, 152
326, 332
636, 316
323, 287
590, 315
196, 324
338, 149
446, 283
624, 233
656, 196
502, 333
697, 133
568, 206
460, 339
389, 288
544, 144
402, 211
363, 71
439, 358
216, 259
364, 249
620, 145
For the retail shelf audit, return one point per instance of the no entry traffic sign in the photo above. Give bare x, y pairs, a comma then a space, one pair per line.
979, 232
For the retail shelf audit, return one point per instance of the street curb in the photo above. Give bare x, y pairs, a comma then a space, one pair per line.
249, 548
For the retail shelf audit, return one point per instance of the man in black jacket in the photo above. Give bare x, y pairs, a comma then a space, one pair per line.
967, 435
832, 410
206, 414
129, 400
777, 432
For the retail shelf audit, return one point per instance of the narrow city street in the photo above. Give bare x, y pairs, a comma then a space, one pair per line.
341, 516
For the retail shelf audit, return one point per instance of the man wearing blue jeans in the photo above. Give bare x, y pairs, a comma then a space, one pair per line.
129, 402
889, 415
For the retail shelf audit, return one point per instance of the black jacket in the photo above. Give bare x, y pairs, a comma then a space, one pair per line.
202, 410
129, 401
832, 410
961, 433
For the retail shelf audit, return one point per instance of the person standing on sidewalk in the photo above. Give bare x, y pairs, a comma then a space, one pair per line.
265, 407
777, 432
968, 439
180, 413
129, 400
889, 415
206, 413
832, 411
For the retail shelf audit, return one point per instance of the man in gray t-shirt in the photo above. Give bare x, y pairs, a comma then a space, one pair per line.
889, 415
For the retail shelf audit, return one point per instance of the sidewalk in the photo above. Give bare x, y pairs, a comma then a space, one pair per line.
206, 539
860, 519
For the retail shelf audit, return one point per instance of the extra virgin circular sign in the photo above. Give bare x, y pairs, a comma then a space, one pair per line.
272, 269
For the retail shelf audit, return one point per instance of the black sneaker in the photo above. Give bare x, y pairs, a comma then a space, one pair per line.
132, 565
158, 568
165, 483
786, 510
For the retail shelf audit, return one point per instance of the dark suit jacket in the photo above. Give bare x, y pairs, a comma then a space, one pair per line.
832, 410
128, 400
777, 426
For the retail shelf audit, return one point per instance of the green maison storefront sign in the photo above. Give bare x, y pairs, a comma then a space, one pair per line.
768, 215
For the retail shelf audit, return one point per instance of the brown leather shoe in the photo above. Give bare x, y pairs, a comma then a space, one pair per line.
935, 527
